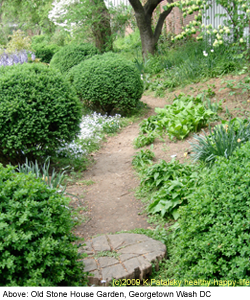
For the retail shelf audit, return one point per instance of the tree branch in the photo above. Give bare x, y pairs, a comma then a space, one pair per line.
160, 23
150, 6
136, 4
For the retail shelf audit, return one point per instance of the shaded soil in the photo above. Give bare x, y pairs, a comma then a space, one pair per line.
110, 200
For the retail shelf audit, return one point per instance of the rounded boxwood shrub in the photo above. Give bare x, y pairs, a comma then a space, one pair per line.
44, 51
72, 55
107, 81
36, 239
39, 112
213, 240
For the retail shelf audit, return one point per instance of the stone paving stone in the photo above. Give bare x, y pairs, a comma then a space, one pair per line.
95, 279
154, 257
144, 247
115, 271
145, 267
119, 241
127, 256
107, 261
100, 244
87, 248
136, 252
132, 266
90, 264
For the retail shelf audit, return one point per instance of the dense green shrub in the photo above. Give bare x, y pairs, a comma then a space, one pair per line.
44, 51
71, 55
38, 112
107, 81
36, 240
213, 239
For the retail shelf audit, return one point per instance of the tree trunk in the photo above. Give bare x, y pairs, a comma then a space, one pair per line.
146, 34
101, 26
143, 15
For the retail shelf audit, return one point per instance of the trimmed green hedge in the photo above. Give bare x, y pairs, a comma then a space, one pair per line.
213, 239
107, 81
71, 55
45, 52
39, 112
36, 234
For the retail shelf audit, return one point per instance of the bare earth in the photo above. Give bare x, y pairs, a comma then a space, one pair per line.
110, 201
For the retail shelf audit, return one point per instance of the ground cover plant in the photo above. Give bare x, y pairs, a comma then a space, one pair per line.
212, 240
186, 114
142, 159
36, 229
34, 96
167, 186
71, 55
107, 82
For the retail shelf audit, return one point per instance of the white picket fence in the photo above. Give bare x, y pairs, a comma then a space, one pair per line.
210, 17
116, 2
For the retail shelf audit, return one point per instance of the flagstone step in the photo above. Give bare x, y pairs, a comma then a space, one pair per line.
121, 256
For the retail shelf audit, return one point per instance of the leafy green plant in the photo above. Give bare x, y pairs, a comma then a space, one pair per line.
143, 158
71, 55
214, 229
18, 41
108, 82
210, 92
186, 114
37, 247
39, 112
222, 141
53, 181
171, 183
144, 140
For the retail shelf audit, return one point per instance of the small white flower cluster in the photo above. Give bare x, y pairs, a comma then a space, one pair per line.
92, 129
206, 54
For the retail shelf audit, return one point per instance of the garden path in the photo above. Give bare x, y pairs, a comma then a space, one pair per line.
110, 200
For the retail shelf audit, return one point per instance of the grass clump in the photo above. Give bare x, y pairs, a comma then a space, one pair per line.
221, 141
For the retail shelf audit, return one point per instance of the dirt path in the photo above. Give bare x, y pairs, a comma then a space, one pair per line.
111, 203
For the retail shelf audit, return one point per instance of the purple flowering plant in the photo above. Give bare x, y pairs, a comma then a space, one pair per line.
17, 51
9, 59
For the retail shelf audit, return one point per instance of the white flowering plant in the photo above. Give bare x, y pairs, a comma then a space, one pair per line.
93, 128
